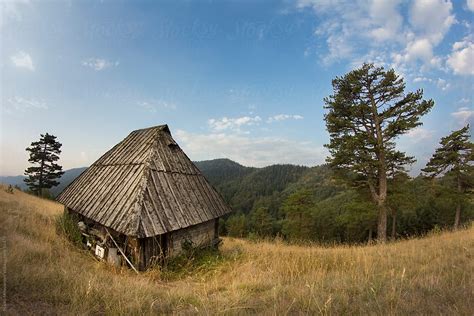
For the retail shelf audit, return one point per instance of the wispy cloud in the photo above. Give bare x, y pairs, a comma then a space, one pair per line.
23, 60
11, 11
250, 151
470, 5
464, 101
99, 64
283, 117
443, 84
23, 104
234, 124
463, 115
419, 134
153, 105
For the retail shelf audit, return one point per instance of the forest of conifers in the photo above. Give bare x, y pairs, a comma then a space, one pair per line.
310, 204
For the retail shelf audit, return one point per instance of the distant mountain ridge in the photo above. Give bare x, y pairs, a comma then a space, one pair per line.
68, 176
242, 187
14, 180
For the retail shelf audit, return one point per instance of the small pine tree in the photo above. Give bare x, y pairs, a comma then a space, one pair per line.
261, 222
454, 158
298, 223
43, 154
237, 225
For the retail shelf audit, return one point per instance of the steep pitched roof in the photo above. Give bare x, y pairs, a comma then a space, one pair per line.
144, 186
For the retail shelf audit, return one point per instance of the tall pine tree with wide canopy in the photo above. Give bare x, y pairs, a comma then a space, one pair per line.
454, 158
43, 154
367, 112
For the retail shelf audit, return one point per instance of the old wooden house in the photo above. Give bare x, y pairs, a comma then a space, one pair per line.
144, 200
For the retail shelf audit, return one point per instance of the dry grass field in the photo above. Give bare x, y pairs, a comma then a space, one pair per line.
46, 274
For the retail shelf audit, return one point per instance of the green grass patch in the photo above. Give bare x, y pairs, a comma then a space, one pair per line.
196, 261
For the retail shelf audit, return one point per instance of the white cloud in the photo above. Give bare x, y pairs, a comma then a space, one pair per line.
470, 5
23, 60
235, 124
387, 39
283, 117
386, 19
422, 79
442, 84
463, 115
250, 151
461, 60
99, 64
23, 104
419, 134
419, 49
432, 19
11, 11
152, 106
344, 23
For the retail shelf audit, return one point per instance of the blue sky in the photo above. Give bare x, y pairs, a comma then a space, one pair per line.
238, 79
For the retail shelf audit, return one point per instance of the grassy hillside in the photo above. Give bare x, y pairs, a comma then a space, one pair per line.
46, 274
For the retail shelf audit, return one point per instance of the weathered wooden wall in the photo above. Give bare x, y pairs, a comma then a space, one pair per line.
202, 234
146, 252
152, 251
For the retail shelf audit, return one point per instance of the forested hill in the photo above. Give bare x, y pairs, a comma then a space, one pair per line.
245, 187
241, 186
307, 203
222, 170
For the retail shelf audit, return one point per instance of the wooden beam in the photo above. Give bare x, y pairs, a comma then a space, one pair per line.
120, 250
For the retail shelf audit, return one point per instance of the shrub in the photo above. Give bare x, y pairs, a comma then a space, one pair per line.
66, 225
9, 189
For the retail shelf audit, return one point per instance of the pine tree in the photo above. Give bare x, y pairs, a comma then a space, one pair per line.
237, 225
454, 158
367, 112
297, 208
43, 154
261, 222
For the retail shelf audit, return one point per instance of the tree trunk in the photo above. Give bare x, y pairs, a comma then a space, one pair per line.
381, 196
370, 236
382, 223
381, 201
457, 216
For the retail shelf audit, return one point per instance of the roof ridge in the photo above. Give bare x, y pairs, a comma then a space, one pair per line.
161, 127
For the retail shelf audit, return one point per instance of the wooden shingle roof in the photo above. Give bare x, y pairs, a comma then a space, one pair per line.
144, 186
